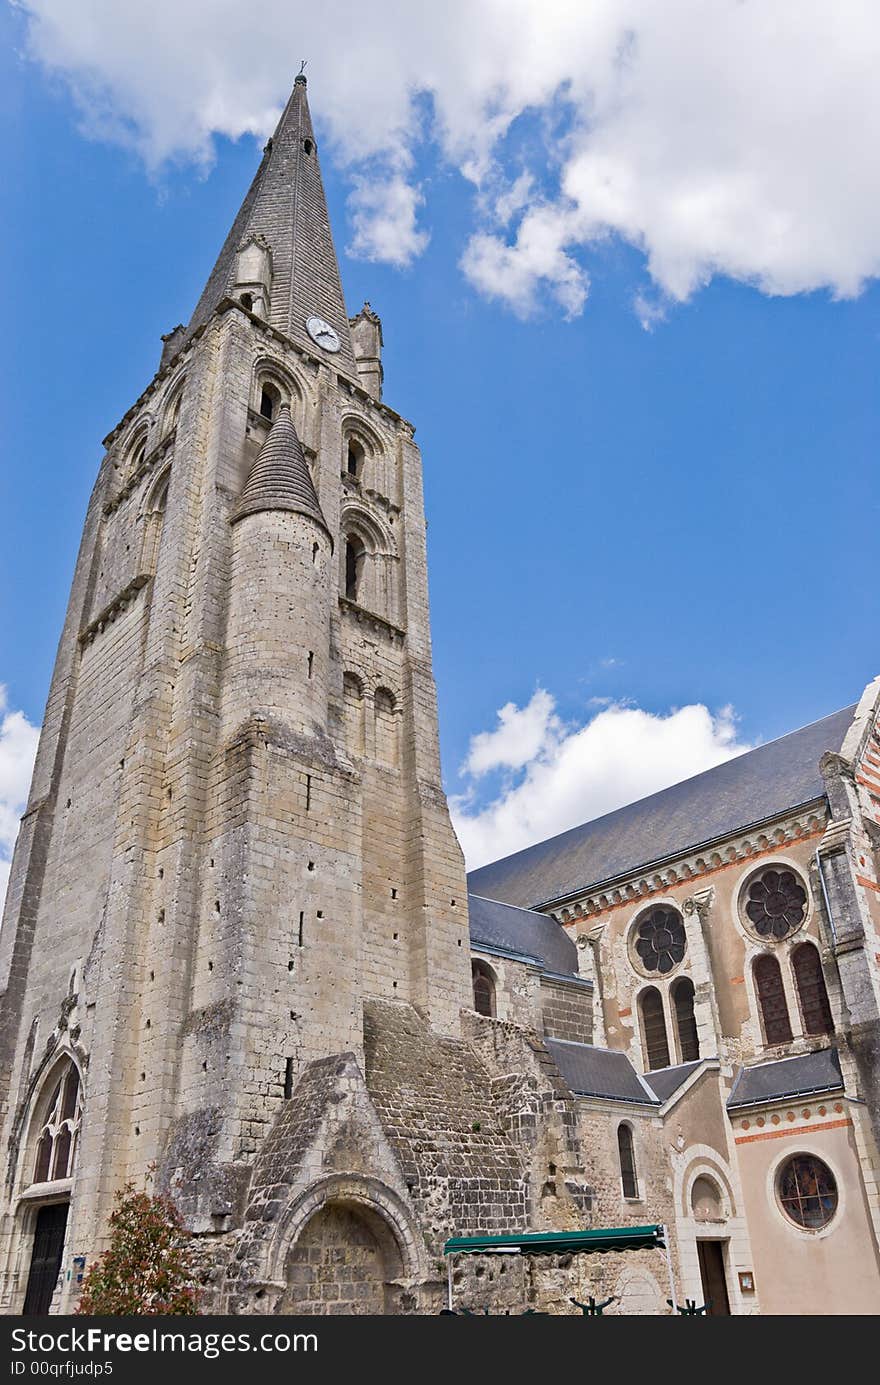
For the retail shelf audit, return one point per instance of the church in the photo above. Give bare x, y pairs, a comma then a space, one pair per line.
239, 947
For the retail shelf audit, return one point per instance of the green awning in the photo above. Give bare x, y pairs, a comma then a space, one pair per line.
560, 1242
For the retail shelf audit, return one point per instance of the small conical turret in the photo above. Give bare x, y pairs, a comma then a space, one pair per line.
280, 478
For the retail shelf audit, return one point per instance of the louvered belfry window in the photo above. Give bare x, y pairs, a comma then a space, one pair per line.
771, 998
812, 994
654, 1029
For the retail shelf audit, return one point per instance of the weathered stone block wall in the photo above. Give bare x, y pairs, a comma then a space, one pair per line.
567, 1011
435, 1101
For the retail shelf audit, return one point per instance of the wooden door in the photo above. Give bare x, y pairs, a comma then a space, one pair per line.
45, 1258
714, 1280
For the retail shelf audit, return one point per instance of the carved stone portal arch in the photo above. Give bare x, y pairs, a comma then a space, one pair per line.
347, 1245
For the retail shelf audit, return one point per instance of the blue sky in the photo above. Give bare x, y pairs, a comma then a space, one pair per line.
653, 519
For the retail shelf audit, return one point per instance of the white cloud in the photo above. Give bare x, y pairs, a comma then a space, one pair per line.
569, 774
733, 137
384, 216
536, 260
18, 746
520, 736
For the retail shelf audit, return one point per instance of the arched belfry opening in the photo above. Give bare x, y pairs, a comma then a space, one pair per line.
346, 1260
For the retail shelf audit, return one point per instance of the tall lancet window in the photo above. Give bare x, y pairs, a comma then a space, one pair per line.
654, 1029
685, 1020
813, 997
771, 998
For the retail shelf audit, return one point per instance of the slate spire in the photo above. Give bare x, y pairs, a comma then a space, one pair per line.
285, 209
280, 478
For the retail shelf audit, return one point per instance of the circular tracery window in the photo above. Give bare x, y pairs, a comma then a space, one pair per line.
659, 940
807, 1191
775, 903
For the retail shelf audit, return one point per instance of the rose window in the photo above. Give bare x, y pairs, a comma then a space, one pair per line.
775, 903
660, 940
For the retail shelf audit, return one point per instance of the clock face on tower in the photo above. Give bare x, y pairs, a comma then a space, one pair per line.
322, 333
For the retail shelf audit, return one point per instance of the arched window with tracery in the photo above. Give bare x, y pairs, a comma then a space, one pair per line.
627, 1156
771, 999
484, 989
685, 1020
812, 993
56, 1143
656, 1043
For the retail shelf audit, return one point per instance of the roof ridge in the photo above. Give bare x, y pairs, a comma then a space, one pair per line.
788, 1058
523, 909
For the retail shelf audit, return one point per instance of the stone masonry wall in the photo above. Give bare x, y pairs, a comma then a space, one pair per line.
567, 1011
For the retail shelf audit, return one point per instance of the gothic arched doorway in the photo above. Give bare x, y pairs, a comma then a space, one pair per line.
346, 1260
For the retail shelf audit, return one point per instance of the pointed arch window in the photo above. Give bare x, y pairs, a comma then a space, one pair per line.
812, 993
685, 1020
484, 989
771, 999
627, 1156
654, 1036
59, 1129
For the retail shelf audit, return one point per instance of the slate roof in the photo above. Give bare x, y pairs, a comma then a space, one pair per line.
280, 478
601, 1072
504, 928
752, 788
787, 1077
664, 1081
285, 205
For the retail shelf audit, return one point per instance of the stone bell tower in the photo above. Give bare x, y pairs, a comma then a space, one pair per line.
236, 836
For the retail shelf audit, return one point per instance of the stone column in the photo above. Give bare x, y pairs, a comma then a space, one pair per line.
696, 916
590, 968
